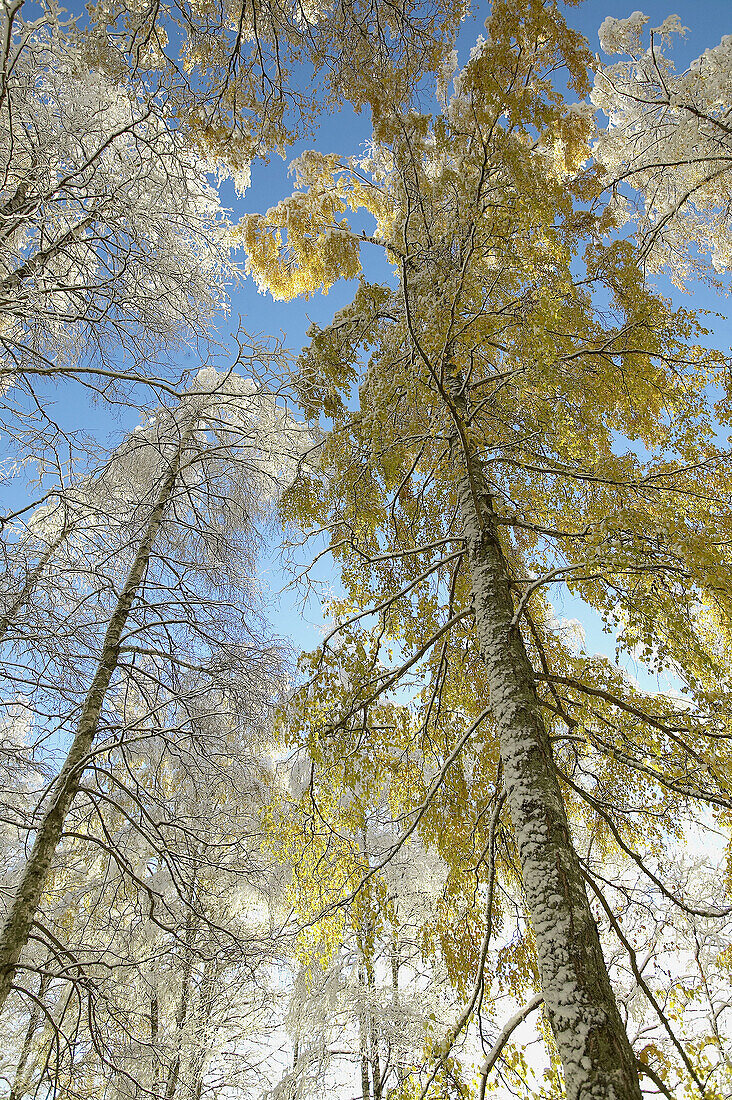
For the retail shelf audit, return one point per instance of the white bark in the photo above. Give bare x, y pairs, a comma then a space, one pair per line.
596, 1055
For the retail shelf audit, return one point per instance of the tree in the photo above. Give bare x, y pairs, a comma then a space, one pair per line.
165, 529
112, 242
162, 978
679, 953
248, 78
451, 716
670, 138
369, 995
462, 486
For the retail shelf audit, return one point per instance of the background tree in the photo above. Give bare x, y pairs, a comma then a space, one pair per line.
112, 242
372, 991
167, 909
156, 597
669, 137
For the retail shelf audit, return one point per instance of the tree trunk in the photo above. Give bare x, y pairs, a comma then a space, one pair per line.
181, 1016
363, 1036
596, 1055
20, 1082
30, 582
205, 1011
154, 1042
17, 927
376, 1083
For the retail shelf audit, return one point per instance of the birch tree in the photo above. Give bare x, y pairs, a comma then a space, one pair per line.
152, 615
368, 994
462, 487
163, 900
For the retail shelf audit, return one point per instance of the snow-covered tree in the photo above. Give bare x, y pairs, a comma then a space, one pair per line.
668, 145
112, 241
161, 911
152, 606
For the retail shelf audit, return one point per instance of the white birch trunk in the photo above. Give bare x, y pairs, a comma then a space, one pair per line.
19, 921
596, 1055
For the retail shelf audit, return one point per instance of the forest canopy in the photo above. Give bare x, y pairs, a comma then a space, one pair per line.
470, 837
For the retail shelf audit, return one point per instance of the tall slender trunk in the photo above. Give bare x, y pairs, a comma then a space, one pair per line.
366, 971
20, 1081
154, 1042
181, 1016
395, 960
373, 1028
596, 1055
205, 1011
363, 1037
31, 581
37, 1053
17, 927
394, 964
